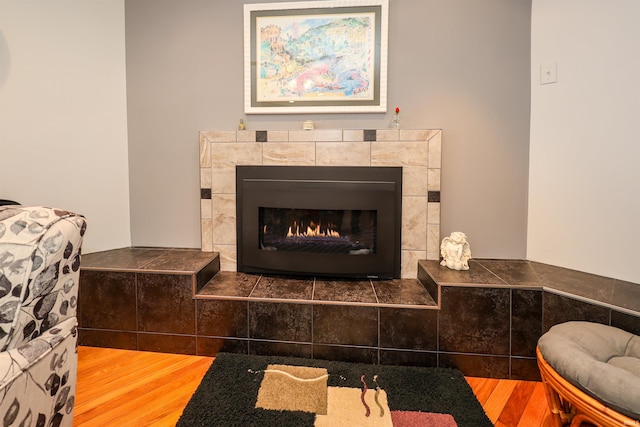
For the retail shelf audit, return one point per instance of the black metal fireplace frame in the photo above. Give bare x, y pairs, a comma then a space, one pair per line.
351, 187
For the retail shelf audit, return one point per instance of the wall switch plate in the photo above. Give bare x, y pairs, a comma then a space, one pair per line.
548, 73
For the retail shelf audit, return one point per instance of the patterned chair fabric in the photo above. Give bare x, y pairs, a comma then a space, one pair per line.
39, 272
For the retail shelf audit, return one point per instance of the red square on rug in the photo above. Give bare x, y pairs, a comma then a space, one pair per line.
421, 419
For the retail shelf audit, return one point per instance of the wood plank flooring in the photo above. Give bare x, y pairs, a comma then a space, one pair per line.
134, 388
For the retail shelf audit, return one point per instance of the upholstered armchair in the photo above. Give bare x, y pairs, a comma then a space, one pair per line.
39, 271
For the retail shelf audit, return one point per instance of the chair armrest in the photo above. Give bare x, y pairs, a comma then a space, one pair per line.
15, 362
38, 379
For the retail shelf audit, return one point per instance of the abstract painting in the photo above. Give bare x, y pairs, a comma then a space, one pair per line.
316, 57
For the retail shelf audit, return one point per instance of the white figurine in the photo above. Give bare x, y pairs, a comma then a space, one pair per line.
455, 251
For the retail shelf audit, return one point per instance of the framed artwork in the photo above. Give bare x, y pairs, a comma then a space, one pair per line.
316, 57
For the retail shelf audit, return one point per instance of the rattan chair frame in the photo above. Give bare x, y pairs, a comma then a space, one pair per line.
570, 405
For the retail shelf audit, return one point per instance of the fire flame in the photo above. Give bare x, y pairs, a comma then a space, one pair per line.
311, 232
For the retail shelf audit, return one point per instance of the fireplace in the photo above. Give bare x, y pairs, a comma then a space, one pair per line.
334, 221
417, 151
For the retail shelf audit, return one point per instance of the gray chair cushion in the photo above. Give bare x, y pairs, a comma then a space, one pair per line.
601, 360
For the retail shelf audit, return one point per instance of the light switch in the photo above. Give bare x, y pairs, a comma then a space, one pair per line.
548, 73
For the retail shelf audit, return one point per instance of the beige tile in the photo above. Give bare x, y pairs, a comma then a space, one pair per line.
434, 179
241, 153
228, 257
414, 181
414, 223
205, 209
343, 153
278, 135
205, 152
433, 241
417, 135
289, 153
409, 263
435, 151
353, 135
206, 241
387, 135
315, 135
433, 213
246, 136
220, 136
205, 177
224, 219
223, 180
399, 153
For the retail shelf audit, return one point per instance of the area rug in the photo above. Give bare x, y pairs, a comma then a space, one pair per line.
241, 390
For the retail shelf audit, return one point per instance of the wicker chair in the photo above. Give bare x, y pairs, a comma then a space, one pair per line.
570, 404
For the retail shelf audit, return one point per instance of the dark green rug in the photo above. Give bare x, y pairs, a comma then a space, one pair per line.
241, 390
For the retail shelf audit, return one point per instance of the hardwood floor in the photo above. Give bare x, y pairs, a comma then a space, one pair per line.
134, 388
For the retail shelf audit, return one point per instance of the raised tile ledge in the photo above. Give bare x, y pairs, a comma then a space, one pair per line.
395, 293
522, 274
149, 260
226, 285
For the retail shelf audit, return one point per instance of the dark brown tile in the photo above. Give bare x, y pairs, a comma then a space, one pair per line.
108, 339
409, 328
230, 284
120, 259
359, 291
213, 346
402, 292
345, 325
408, 358
626, 322
526, 321
525, 369
476, 365
426, 280
107, 300
284, 288
574, 282
166, 304
219, 318
346, 353
180, 261
286, 349
626, 295
474, 320
516, 273
476, 275
369, 134
280, 321
178, 344
559, 309
207, 273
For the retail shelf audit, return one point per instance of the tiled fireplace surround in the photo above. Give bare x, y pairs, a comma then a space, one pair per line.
418, 152
485, 321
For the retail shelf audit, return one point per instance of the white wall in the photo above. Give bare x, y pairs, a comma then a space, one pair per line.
584, 201
63, 124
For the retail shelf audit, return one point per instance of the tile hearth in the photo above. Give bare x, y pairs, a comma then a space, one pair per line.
486, 322
398, 293
175, 300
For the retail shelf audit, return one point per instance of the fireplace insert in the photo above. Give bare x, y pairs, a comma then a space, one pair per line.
323, 221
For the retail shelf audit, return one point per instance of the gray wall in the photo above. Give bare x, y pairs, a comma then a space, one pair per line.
459, 65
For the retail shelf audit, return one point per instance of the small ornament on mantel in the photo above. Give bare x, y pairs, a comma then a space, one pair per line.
396, 119
455, 251
241, 125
